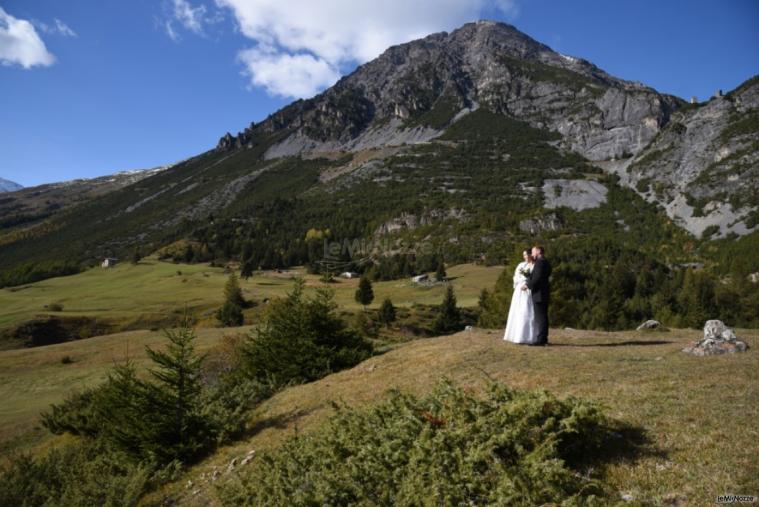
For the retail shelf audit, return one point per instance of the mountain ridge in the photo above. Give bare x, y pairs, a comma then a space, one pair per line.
468, 141
9, 186
608, 120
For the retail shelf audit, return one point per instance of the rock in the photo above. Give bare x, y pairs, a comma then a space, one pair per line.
232, 465
468, 328
649, 324
718, 339
627, 497
248, 458
540, 224
575, 194
189, 484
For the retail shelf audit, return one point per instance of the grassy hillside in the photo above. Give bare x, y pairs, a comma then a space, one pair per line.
32, 379
692, 419
152, 291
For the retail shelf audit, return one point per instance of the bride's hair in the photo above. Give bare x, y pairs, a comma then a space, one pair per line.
527, 251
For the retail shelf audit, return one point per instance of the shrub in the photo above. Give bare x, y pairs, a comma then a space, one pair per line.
449, 448
75, 475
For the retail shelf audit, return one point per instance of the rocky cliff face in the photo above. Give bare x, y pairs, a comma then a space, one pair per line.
413, 91
704, 166
696, 161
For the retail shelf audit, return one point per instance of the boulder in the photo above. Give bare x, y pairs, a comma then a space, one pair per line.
718, 339
649, 324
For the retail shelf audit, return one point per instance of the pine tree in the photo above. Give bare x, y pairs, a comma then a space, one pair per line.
246, 271
364, 293
230, 314
387, 312
175, 424
232, 291
440, 274
449, 317
302, 339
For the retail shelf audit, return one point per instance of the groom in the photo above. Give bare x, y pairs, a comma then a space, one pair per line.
540, 285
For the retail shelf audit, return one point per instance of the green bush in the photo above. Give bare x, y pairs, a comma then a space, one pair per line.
449, 448
78, 475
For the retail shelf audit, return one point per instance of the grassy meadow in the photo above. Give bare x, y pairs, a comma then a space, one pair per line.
131, 295
33, 378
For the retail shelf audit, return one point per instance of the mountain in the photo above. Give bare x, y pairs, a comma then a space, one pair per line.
32, 205
9, 186
460, 145
412, 92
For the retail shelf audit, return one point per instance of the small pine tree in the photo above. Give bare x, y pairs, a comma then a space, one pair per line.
232, 291
177, 428
440, 274
136, 256
246, 271
230, 314
387, 312
449, 317
364, 293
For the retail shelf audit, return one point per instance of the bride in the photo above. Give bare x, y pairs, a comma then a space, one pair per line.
520, 328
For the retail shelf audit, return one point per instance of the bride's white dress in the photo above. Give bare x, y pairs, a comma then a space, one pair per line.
520, 328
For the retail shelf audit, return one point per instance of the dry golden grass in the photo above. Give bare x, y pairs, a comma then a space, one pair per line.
32, 379
698, 414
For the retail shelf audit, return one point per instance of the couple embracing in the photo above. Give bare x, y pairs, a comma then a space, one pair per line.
528, 315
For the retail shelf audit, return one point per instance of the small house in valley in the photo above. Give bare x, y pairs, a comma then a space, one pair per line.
108, 262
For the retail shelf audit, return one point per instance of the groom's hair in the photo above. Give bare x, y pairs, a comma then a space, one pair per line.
540, 249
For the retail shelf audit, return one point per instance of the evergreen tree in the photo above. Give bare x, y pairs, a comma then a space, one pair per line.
440, 274
230, 314
302, 339
232, 291
364, 293
449, 317
387, 312
175, 426
136, 256
246, 270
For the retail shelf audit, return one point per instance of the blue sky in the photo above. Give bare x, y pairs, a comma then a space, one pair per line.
93, 87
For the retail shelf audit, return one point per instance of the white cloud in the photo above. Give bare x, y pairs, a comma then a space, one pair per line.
190, 17
64, 29
304, 44
58, 28
193, 18
279, 73
20, 44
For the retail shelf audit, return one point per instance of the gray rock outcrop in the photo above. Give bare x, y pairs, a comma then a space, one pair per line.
718, 339
649, 325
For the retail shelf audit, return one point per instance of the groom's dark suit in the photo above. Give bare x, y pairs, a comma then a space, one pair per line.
540, 286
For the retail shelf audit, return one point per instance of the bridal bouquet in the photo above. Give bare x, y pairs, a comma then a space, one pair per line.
525, 272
